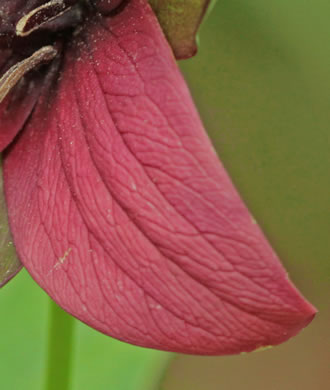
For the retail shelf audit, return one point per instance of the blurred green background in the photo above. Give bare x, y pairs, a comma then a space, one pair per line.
261, 81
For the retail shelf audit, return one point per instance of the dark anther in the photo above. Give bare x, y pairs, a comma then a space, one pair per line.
16, 72
39, 16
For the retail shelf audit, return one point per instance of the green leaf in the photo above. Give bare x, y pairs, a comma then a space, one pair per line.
180, 20
9, 263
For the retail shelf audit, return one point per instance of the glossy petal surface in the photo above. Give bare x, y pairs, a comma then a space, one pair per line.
122, 212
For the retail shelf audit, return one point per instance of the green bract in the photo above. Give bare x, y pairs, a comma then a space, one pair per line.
9, 263
180, 20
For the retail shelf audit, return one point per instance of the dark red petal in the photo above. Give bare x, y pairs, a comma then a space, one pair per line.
122, 212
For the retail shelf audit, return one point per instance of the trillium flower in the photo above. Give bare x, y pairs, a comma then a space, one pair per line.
118, 205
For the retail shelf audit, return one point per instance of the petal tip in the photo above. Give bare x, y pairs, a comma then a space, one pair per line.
304, 318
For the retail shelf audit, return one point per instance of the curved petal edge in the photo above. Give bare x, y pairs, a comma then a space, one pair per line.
122, 212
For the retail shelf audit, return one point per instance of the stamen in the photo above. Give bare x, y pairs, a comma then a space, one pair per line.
19, 70
41, 15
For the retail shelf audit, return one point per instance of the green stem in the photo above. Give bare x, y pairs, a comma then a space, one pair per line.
60, 349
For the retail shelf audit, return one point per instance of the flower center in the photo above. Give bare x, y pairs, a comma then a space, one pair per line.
40, 33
